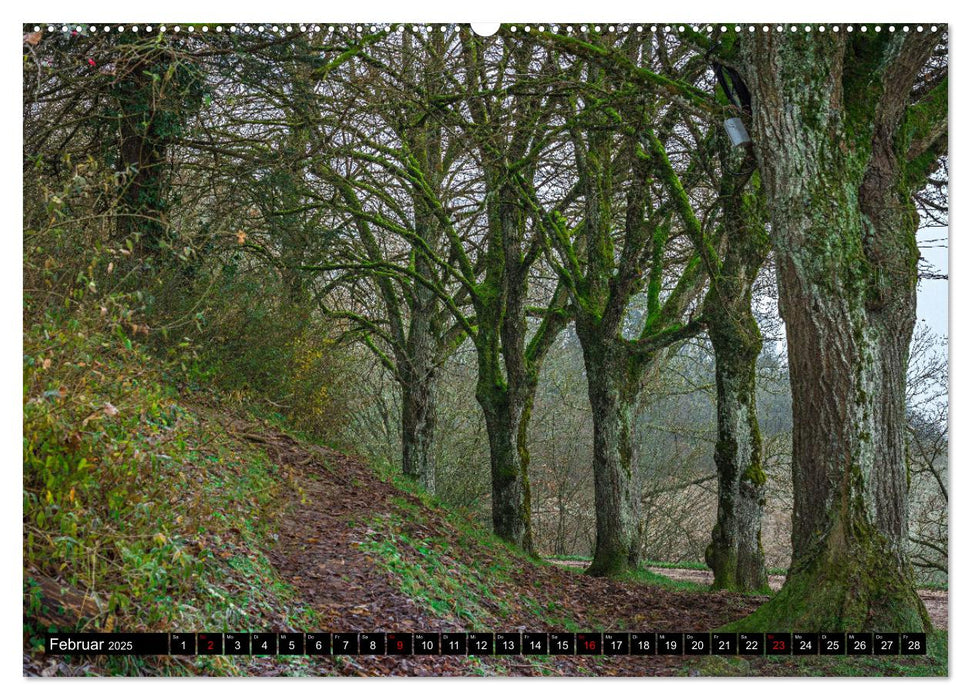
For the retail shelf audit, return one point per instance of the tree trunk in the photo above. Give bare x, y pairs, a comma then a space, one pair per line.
504, 413
559, 544
155, 95
735, 554
424, 344
616, 495
141, 156
418, 366
846, 287
418, 430
508, 371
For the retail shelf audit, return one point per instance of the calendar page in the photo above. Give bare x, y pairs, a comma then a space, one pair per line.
608, 348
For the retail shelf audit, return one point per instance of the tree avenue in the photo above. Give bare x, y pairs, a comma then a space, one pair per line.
729, 250
456, 213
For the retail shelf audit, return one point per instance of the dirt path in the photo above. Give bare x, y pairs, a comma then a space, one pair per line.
934, 601
317, 551
332, 503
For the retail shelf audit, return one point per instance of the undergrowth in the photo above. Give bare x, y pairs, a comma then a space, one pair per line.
441, 577
140, 513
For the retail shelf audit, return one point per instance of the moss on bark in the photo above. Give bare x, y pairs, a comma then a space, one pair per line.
735, 553
843, 233
860, 588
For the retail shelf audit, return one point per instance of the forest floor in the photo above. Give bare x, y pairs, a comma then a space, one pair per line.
368, 556
936, 601
364, 553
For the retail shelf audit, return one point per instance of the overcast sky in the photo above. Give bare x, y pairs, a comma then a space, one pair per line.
932, 294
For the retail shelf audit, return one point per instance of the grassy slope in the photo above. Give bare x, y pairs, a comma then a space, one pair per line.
141, 513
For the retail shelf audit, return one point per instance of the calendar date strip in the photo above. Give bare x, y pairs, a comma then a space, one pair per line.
487, 643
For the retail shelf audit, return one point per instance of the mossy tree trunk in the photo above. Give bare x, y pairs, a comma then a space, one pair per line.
426, 342
623, 250
488, 304
735, 553
504, 412
142, 156
828, 112
418, 410
508, 131
413, 341
155, 92
415, 332
509, 359
612, 391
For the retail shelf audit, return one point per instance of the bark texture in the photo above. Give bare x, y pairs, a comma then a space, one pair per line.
510, 479
735, 553
827, 123
418, 413
612, 391
425, 346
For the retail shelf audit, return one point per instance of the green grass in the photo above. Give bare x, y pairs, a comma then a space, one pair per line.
462, 587
446, 585
141, 503
693, 565
700, 566
649, 578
